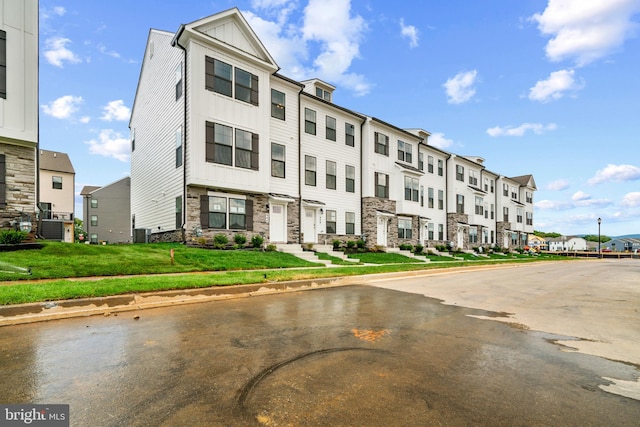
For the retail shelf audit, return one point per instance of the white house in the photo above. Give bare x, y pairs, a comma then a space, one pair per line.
224, 144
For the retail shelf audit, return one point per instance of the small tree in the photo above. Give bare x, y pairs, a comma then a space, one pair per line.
257, 241
240, 240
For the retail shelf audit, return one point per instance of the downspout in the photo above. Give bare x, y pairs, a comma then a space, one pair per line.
364, 120
176, 42
300, 165
36, 211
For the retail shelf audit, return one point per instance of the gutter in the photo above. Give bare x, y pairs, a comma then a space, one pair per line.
176, 42
300, 166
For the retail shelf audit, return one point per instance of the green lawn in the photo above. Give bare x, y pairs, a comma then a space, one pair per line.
64, 263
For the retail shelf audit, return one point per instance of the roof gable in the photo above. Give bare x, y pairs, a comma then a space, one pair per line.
231, 29
525, 180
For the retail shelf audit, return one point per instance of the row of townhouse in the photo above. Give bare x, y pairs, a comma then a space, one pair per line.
223, 143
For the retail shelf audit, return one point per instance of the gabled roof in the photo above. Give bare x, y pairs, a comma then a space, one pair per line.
231, 31
55, 162
525, 180
88, 189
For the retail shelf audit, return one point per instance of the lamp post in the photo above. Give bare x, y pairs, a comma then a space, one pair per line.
599, 222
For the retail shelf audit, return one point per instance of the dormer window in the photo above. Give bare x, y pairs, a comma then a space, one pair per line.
321, 93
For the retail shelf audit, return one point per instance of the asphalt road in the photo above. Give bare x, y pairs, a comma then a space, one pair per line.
355, 355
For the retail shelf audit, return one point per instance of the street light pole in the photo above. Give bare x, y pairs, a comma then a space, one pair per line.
599, 253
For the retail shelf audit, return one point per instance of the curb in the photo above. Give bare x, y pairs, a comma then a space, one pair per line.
83, 307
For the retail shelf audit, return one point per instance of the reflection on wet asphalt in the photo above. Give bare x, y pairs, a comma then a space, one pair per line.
341, 356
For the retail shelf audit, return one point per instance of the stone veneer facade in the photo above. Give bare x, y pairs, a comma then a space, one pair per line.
453, 219
370, 206
20, 181
260, 219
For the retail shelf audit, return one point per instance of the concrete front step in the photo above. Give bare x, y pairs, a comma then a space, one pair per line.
298, 251
328, 249
408, 254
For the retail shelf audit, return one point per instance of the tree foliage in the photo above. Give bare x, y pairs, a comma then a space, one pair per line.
543, 234
594, 238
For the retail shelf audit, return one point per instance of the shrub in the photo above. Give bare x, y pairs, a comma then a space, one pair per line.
220, 241
257, 241
361, 244
418, 249
406, 247
351, 244
240, 239
12, 237
336, 244
271, 248
202, 241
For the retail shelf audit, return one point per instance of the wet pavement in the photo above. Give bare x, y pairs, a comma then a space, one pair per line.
353, 355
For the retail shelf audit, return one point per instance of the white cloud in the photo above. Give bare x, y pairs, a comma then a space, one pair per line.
580, 195
616, 173
116, 110
85, 119
555, 87
59, 10
110, 144
103, 49
439, 141
557, 185
552, 204
410, 32
56, 52
63, 107
327, 28
586, 30
460, 88
537, 128
631, 200
562, 205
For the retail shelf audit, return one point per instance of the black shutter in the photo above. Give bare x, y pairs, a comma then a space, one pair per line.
209, 76
255, 151
204, 211
210, 155
249, 209
3, 180
254, 89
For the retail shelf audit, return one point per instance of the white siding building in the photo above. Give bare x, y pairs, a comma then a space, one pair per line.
224, 144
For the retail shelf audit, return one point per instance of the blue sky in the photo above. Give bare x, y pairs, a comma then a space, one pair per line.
542, 87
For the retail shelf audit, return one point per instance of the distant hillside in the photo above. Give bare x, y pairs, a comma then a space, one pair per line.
629, 236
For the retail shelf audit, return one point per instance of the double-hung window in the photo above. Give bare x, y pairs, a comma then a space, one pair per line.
350, 222
404, 151
421, 161
440, 167
460, 173
430, 198
350, 184
331, 175
331, 222
218, 76
430, 164
459, 203
430, 231
382, 185
94, 220
473, 177
479, 206
277, 160
330, 128
440, 231
519, 216
179, 146
94, 203
310, 170
441, 199
309, 121
220, 146
349, 134
411, 189
277, 104
246, 86
219, 212
404, 228
178, 81
505, 214
382, 144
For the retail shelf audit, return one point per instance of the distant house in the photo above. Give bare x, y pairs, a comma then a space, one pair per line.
18, 113
622, 244
567, 243
57, 186
537, 242
106, 212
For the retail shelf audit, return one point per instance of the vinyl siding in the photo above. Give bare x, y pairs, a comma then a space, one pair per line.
155, 180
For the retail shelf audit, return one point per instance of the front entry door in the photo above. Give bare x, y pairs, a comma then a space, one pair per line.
278, 223
309, 228
382, 231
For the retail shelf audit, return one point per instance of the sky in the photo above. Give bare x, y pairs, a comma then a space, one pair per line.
549, 88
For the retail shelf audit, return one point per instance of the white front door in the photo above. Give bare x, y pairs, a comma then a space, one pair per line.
382, 231
460, 237
309, 226
278, 222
